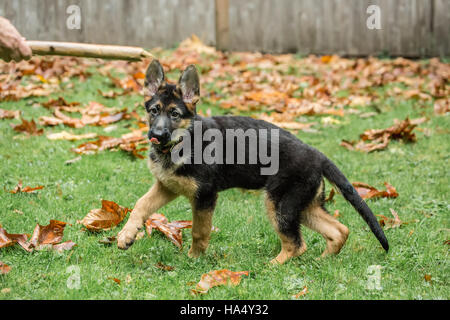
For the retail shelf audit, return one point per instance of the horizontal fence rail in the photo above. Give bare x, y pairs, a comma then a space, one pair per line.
411, 28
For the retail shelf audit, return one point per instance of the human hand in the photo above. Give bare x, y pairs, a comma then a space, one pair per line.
12, 44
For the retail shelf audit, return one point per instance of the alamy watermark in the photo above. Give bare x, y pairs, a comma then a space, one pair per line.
374, 277
73, 21
238, 146
74, 280
374, 20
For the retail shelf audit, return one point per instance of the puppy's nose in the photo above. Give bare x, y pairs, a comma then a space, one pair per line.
163, 135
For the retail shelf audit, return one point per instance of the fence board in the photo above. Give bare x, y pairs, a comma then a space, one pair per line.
409, 27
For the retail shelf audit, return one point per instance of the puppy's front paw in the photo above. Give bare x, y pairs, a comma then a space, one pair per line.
195, 252
125, 238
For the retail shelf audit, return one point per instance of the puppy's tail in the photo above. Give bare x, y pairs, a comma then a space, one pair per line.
336, 177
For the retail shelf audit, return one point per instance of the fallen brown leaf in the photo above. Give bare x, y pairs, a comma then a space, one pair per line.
110, 215
64, 246
164, 267
330, 195
378, 139
303, 292
4, 268
7, 239
368, 192
389, 223
49, 234
291, 125
127, 142
442, 106
19, 188
115, 280
111, 94
28, 127
60, 102
64, 135
171, 230
217, 278
9, 114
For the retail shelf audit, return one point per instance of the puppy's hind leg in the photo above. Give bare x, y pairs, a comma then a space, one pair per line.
155, 198
334, 232
286, 221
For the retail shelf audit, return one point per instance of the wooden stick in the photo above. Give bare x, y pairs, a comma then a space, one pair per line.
88, 50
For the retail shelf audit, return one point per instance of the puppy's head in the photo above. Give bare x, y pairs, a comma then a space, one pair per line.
169, 106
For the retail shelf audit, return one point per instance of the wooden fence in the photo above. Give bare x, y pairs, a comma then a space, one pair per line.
408, 27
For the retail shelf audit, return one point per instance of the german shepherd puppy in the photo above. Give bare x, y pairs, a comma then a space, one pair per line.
294, 195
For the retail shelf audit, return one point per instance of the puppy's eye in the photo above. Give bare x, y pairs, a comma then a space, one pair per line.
154, 111
175, 114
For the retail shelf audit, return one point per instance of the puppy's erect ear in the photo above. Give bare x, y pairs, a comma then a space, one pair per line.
154, 78
189, 85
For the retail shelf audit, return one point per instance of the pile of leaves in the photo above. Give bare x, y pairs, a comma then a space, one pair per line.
281, 89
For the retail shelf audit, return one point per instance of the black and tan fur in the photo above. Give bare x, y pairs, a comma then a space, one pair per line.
293, 196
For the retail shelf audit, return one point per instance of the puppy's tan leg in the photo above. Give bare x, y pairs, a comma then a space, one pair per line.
334, 232
290, 248
155, 198
201, 230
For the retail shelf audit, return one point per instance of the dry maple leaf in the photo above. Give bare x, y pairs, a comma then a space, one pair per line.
4, 268
368, 192
49, 234
27, 189
171, 230
110, 215
217, 278
28, 127
7, 239
389, 223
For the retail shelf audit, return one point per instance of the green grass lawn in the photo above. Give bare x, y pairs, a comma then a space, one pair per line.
245, 240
